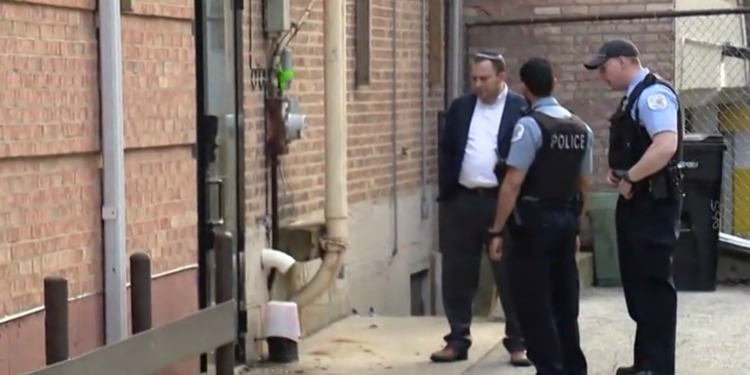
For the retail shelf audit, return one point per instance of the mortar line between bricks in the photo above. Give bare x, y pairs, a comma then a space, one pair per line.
94, 153
46, 5
186, 19
38, 309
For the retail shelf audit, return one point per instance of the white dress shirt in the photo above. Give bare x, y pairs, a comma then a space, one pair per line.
480, 155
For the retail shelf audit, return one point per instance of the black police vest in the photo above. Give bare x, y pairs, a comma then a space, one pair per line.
555, 172
628, 140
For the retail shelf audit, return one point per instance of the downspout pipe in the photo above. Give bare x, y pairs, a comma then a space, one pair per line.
336, 194
394, 126
113, 170
425, 211
455, 51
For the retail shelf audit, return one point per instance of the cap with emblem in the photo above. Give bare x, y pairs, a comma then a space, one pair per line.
612, 49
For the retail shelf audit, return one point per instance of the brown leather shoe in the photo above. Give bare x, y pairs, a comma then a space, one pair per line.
629, 370
519, 359
449, 354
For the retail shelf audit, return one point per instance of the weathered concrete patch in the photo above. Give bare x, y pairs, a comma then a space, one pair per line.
713, 334
384, 346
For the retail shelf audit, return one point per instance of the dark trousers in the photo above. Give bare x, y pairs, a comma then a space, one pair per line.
544, 271
464, 221
646, 239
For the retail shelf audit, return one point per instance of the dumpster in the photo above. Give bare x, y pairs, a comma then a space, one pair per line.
695, 257
602, 207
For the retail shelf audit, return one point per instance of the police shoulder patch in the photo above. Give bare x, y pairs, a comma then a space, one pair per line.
518, 132
657, 102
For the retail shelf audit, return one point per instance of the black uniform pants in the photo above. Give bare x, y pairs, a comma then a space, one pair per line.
646, 239
544, 276
464, 222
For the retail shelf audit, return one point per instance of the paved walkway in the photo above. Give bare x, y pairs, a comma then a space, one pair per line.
713, 334
713, 339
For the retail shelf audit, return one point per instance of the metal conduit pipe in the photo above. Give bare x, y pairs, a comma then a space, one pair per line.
113, 170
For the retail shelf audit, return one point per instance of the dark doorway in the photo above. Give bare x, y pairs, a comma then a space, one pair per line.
419, 286
219, 144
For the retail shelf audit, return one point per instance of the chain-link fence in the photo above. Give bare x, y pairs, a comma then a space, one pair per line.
705, 53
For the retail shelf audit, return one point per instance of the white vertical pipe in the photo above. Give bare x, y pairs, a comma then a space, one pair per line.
113, 170
336, 195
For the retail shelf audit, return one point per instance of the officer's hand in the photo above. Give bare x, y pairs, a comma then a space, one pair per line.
625, 188
612, 179
578, 243
495, 248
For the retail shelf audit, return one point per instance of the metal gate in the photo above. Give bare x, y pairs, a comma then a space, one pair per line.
704, 52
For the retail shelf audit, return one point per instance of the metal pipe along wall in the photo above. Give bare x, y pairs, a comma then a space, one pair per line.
394, 124
113, 170
455, 49
424, 205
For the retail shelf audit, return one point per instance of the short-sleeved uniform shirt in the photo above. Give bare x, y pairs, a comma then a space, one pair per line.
527, 137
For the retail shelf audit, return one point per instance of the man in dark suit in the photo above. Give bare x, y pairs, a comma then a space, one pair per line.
477, 133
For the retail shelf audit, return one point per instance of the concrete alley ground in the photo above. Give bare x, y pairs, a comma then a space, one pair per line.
713, 337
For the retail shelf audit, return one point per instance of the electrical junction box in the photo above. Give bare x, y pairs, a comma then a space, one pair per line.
276, 17
294, 120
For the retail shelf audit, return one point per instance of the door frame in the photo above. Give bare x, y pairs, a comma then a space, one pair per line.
204, 144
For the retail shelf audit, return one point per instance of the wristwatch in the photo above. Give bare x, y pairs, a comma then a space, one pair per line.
626, 178
494, 234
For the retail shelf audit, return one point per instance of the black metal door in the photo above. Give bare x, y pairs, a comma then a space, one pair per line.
220, 146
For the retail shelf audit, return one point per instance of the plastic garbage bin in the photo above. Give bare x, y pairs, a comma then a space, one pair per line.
602, 207
695, 258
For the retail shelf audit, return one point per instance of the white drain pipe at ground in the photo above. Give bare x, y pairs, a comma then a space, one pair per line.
274, 259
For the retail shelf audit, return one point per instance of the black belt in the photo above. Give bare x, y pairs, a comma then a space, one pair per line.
491, 191
559, 204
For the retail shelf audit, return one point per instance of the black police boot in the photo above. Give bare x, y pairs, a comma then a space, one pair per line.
630, 370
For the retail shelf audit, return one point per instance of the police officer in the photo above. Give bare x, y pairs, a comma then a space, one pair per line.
547, 172
644, 152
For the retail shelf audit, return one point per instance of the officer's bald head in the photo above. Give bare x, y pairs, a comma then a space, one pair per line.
537, 77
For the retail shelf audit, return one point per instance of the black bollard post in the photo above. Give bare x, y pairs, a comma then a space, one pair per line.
140, 292
224, 292
56, 320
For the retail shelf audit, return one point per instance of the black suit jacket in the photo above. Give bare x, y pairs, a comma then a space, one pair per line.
455, 134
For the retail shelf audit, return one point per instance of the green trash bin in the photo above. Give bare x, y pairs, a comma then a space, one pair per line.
602, 207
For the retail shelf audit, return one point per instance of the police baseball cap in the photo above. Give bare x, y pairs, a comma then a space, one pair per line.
612, 49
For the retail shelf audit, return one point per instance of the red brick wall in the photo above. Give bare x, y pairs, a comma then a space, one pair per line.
50, 140
369, 110
568, 45
49, 158
50, 186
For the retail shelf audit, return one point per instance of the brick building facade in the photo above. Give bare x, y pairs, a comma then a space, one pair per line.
50, 168
50, 184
